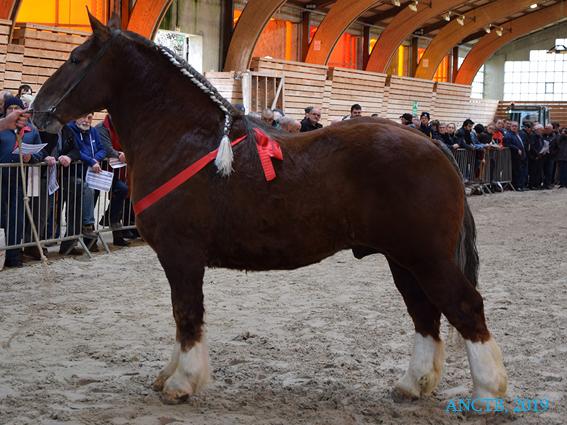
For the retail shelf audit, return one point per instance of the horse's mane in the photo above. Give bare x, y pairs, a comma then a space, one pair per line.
195, 76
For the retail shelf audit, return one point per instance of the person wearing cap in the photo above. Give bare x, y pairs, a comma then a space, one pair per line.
407, 119
11, 192
424, 126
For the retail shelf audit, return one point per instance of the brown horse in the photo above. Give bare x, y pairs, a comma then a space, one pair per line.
369, 185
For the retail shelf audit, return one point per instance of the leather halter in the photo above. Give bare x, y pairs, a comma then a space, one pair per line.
83, 74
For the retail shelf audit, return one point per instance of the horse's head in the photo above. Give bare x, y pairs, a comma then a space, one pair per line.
83, 83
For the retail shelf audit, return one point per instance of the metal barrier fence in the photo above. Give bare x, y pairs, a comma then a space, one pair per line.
60, 203
486, 169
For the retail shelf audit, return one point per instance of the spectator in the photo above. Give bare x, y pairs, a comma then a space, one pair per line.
424, 126
434, 124
240, 107
268, 117
407, 120
92, 152
119, 190
11, 193
463, 135
535, 158
513, 141
311, 121
547, 158
525, 135
62, 148
290, 125
278, 115
355, 112
4, 94
24, 89
447, 137
482, 135
451, 129
498, 132
559, 149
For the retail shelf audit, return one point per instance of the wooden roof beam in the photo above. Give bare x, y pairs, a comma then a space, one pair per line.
453, 33
401, 27
147, 15
252, 21
341, 15
490, 43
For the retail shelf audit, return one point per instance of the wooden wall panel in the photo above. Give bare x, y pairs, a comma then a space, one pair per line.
305, 84
451, 102
403, 92
352, 86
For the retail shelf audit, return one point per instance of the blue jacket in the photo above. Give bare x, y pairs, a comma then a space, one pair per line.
512, 141
89, 144
8, 144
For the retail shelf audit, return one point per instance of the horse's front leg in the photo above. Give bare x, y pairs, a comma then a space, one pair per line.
188, 370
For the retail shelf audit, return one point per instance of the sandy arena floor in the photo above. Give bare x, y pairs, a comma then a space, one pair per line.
319, 345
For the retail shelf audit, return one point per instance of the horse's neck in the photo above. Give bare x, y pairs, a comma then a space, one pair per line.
156, 107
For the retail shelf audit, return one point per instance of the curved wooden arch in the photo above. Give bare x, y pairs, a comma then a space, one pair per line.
147, 15
8, 8
490, 43
342, 14
251, 23
453, 33
403, 25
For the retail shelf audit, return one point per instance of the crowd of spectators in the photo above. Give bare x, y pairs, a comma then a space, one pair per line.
77, 148
538, 161
538, 152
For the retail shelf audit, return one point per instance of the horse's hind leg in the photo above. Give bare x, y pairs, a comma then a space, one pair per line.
447, 287
188, 370
426, 364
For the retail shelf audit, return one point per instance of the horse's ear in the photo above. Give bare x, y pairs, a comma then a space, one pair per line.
100, 31
114, 22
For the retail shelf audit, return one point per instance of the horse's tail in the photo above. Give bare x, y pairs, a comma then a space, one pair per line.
467, 254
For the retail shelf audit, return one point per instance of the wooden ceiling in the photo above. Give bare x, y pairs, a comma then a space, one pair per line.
382, 14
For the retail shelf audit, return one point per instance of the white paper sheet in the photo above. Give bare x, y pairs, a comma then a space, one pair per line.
116, 163
34, 181
99, 181
53, 186
29, 149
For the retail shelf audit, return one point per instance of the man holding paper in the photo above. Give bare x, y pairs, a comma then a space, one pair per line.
92, 152
12, 211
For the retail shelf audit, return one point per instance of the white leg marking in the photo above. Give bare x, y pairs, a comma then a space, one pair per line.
425, 367
167, 371
488, 373
192, 372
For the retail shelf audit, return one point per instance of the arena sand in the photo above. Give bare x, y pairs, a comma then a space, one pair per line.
319, 345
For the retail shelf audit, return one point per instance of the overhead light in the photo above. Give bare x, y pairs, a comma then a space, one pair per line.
396, 3
413, 5
487, 29
447, 16
461, 20
499, 31
533, 6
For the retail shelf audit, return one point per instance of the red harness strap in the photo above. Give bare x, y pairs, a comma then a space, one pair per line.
267, 148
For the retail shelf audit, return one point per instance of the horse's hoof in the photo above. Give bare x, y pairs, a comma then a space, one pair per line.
159, 383
402, 394
174, 397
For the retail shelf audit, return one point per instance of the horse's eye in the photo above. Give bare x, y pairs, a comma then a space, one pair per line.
74, 60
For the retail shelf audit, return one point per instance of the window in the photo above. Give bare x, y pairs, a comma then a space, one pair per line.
543, 77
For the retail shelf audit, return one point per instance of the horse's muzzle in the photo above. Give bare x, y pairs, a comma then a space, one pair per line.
46, 121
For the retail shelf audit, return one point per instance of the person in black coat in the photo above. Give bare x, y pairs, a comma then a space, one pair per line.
463, 135
311, 120
424, 127
559, 151
513, 141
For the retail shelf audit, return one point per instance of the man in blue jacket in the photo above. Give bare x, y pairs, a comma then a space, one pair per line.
11, 192
513, 141
92, 153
